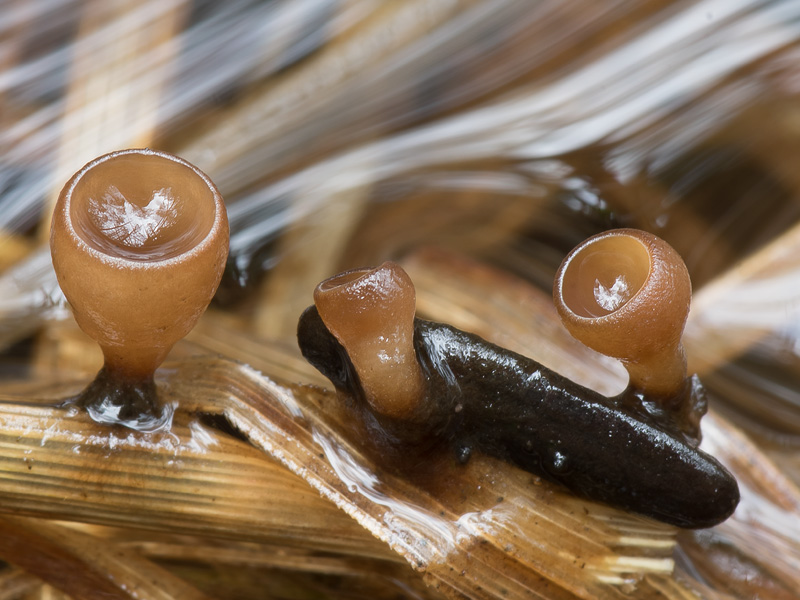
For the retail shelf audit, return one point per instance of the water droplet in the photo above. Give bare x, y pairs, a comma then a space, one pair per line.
559, 462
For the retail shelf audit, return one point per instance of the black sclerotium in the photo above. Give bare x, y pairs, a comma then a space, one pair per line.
622, 451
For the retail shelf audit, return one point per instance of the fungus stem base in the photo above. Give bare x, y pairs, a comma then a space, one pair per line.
133, 403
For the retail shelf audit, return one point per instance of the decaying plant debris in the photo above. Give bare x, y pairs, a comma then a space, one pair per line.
475, 141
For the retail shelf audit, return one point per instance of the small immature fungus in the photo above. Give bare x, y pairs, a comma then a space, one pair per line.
447, 389
139, 241
378, 334
626, 293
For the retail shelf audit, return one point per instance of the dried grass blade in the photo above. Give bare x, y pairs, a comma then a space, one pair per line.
85, 567
535, 538
14, 583
58, 464
748, 302
766, 526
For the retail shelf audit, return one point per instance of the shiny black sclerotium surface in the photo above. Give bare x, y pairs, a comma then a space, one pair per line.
484, 398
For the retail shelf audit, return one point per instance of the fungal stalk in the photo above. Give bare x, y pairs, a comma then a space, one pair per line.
626, 293
139, 241
371, 314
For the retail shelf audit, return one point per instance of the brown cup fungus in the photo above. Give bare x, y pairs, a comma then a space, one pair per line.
139, 241
626, 293
371, 314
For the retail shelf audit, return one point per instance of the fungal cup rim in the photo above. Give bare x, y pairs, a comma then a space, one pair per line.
336, 281
220, 215
634, 303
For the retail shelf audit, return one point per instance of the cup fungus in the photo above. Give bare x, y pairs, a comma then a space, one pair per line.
139, 241
419, 386
371, 313
626, 293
